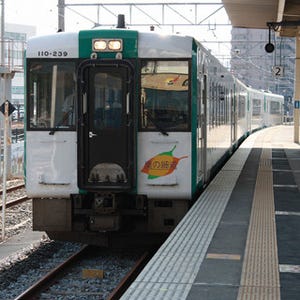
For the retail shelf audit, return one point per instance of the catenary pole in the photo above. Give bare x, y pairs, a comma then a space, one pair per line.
61, 15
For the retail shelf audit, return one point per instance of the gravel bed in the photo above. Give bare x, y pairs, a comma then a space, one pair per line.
25, 268
115, 265
22, 269
19, 217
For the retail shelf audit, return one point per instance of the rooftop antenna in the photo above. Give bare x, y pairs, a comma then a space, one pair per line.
121, 21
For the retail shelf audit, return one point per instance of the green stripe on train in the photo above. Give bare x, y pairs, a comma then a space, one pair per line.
129, 37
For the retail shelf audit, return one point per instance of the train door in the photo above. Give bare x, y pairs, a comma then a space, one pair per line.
233, 117
202, 129
105, 148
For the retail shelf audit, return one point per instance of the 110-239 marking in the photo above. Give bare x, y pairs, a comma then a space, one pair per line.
53, 53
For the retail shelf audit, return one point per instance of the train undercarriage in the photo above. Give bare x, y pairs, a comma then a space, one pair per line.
108, 219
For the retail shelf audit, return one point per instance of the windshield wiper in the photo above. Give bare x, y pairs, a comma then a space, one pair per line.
61, 121
160, 129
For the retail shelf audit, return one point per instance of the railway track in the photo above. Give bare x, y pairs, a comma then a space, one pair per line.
129, 278
18, 209
36, 289
46, 285
15, 201
50, 285
13, 188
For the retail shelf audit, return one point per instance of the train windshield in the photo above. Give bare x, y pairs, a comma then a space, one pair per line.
165, 95
52, 96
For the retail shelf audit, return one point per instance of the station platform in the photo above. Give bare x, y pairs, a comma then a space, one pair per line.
16, 244
241, 239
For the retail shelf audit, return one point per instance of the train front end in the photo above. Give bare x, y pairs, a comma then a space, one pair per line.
108, 141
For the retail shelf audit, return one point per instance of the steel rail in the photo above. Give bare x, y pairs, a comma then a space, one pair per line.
46, 280
15, 202
13, 188
130, 277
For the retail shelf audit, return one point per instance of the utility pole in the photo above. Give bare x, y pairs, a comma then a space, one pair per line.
297, 92
3, 85
61, 15
2, 33
6, 75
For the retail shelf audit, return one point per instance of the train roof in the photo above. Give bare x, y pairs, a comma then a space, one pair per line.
64, 41
279, 98
149, 45
166, 46
267, 94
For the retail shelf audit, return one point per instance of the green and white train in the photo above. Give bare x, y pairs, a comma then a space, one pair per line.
124, 128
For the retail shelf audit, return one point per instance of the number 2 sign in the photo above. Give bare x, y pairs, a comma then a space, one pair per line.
278, 71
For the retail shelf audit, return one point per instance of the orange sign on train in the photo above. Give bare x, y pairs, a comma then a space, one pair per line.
162, 164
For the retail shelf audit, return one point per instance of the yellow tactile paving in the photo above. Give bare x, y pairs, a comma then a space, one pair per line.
260, 274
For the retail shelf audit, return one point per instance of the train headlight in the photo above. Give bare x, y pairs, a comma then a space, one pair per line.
115, 45
107, 45
99, 45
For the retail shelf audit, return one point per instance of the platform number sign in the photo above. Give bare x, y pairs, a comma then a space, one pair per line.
278, 71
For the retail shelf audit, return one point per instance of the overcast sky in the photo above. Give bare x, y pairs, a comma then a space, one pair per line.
43, 14
39, 13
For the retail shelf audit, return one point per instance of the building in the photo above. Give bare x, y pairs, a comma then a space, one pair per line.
255, 67
12, 47
15, 39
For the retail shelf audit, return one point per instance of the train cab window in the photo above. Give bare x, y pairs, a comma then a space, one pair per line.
165, 95
52, 96
108, 101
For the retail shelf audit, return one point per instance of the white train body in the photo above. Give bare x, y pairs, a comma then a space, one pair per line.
97, 167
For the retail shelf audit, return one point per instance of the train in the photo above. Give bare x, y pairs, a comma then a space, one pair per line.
125, 128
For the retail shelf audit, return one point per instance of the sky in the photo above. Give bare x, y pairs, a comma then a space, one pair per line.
44, 16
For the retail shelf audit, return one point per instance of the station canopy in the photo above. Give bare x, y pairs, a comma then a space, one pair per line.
256, 14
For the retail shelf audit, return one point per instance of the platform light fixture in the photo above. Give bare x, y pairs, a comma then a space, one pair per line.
269, 47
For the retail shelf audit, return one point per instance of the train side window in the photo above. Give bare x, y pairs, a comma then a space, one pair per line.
165, 95
52, 95
274, 108
257, 106
242, 106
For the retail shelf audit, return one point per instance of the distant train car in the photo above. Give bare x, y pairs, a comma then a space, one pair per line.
123, 128
273, 109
